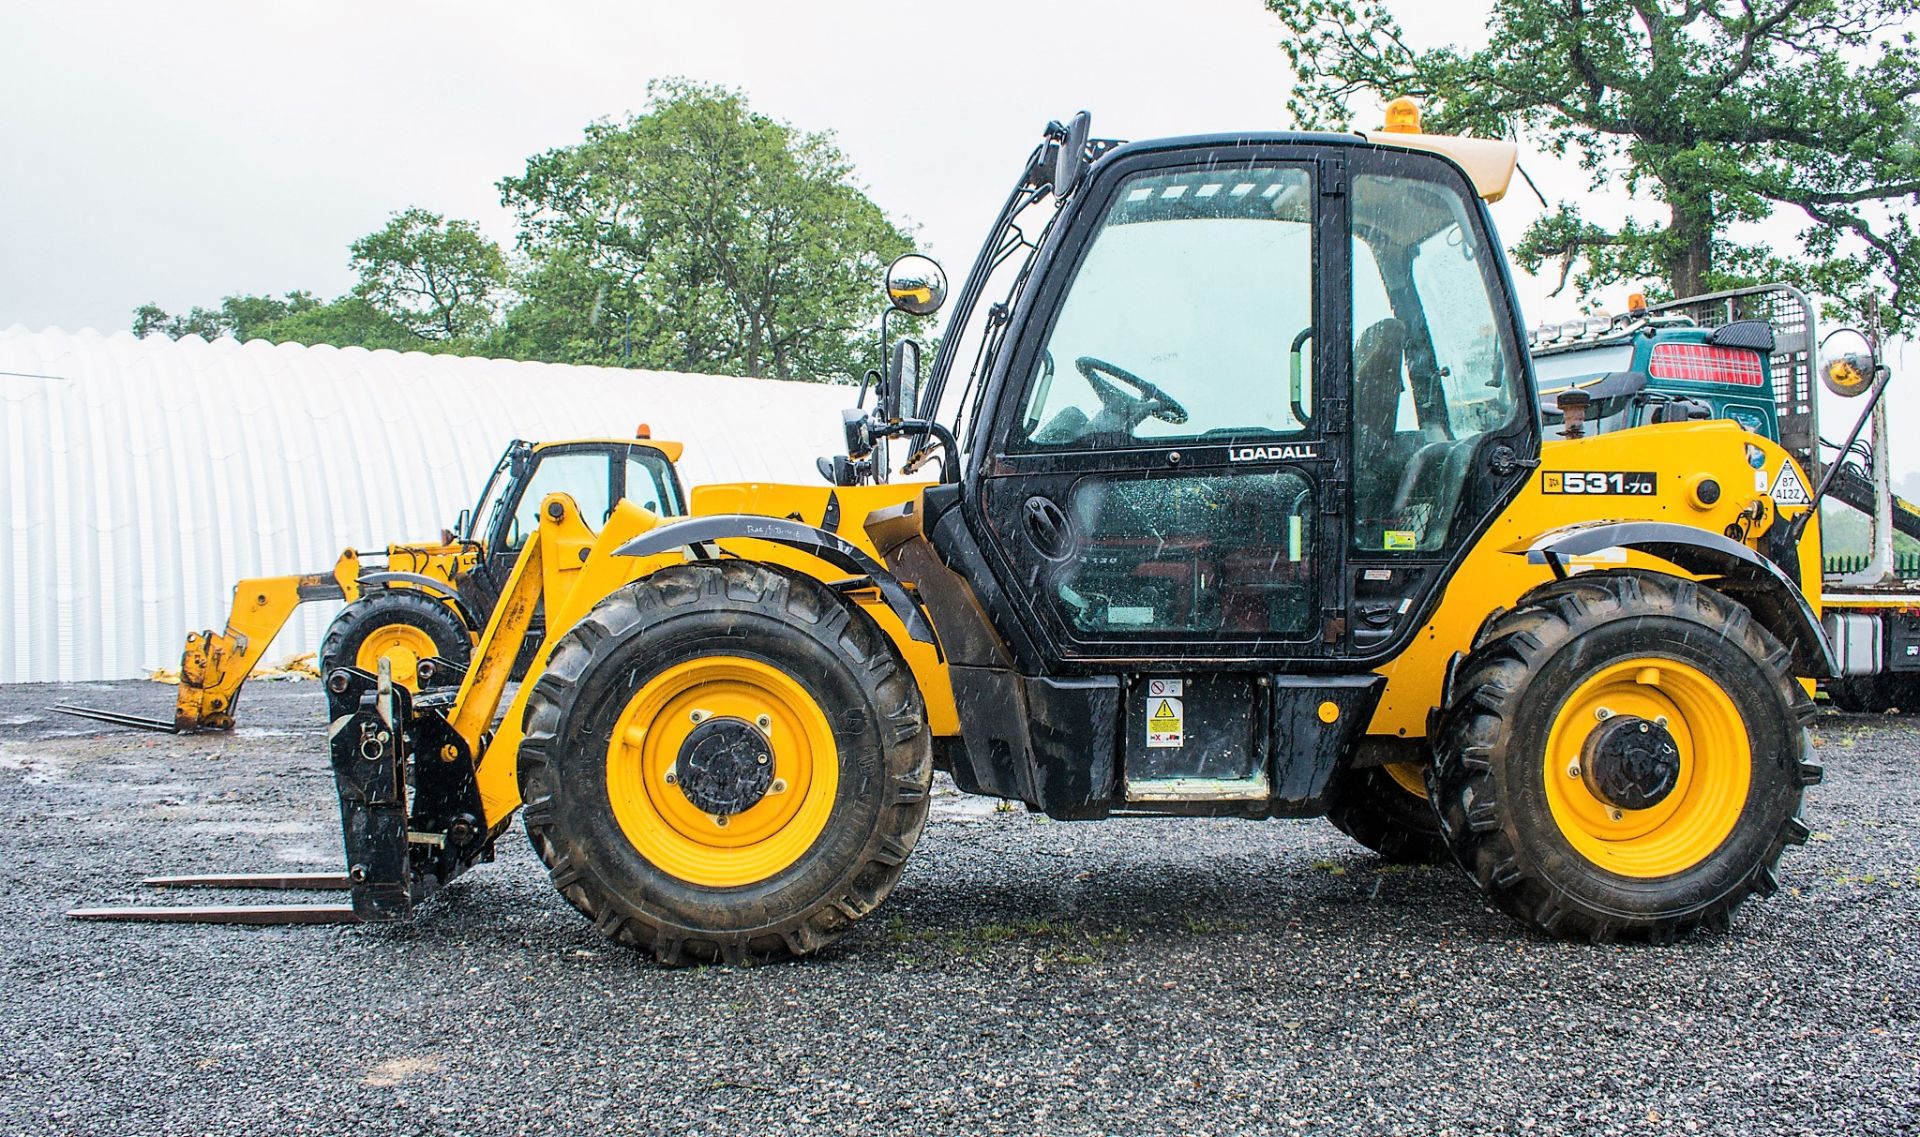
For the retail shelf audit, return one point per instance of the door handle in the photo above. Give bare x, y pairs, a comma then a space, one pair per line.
1047, 527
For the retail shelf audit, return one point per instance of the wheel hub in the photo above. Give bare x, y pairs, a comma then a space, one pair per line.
725, 766
1630, 762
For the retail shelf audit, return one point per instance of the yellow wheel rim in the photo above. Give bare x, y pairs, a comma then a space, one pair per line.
1715, 769
1409, 776
403, 646
666, 827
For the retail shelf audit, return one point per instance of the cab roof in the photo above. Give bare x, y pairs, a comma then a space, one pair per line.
671, 451
1488, 163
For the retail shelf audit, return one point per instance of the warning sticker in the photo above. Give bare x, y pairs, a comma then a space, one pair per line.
1788, 489
1166, 721
1166, 686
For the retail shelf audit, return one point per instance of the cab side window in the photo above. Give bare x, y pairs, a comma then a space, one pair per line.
1431, 370
647, 485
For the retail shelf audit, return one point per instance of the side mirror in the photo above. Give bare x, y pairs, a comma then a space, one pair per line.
1848, 363
519, 464
900, 395
916, 285
463, 525
1069, 160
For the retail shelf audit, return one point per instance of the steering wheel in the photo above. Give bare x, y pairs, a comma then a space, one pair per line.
1151, 403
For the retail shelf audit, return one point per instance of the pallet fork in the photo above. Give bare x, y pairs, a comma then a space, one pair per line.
404, 767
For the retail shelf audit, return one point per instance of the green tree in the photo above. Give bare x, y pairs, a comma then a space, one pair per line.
699, 235
425, 284
353, 322
439, 279
243, 317
1722, 110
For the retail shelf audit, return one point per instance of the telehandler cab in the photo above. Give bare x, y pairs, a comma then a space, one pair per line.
416, 602
1242, 509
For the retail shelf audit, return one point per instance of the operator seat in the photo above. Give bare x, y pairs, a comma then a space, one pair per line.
1378, 461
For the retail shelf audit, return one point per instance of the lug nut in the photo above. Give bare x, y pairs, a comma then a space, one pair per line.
765, 723
1602, 713
698, 717
1659, 720
673, 779
1573, 769
779, 786
1616, 814
720, 820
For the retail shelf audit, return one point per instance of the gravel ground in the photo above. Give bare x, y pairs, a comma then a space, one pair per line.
1028, 977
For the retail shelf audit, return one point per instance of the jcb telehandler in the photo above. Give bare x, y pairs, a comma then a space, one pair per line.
412, 603
1241, 509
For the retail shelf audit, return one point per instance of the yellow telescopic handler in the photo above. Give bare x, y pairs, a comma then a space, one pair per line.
1239, 507
411, 604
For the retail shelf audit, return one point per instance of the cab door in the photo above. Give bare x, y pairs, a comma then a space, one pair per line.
1164, 446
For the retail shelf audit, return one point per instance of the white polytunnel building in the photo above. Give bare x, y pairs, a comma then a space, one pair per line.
141, 479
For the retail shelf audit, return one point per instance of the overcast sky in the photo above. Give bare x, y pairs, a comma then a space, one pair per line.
182, 152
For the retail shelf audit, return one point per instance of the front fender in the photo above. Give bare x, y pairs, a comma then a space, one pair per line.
1740, 572
432, 586
699, 533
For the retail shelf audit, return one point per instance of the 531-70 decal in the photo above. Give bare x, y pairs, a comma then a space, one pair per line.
1632, 483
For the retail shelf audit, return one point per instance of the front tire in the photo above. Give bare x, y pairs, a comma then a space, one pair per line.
403, 626
1623, 757
725, 762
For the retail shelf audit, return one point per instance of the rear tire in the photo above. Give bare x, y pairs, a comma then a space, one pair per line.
612, 774
1384, 813
1524, 739
403, 624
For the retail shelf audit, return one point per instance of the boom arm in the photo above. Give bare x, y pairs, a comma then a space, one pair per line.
213, 667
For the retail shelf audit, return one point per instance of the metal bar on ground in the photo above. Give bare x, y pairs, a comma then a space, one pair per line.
139, 722
329, 881
266, 914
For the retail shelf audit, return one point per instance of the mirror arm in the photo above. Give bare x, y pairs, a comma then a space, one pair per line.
1799, 524
949, 449
886, 345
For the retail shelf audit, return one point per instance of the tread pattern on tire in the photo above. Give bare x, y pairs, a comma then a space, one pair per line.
1476, 728
631, 613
